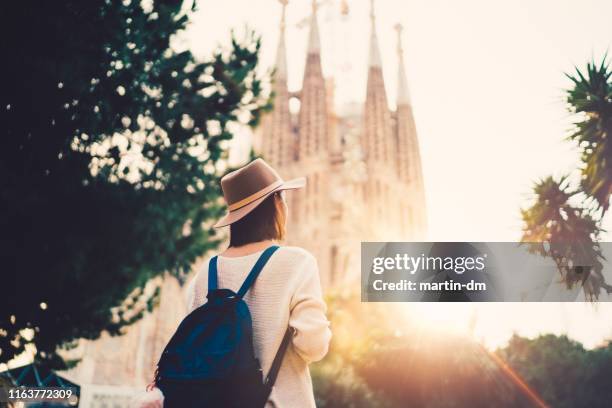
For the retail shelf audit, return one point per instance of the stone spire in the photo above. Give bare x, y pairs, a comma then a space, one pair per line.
409, 161
314, 40
281, 53
277, 139
375, 60
403, 95
313, 120
408, 152
377, 141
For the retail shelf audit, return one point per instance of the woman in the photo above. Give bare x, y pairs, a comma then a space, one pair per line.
287, 291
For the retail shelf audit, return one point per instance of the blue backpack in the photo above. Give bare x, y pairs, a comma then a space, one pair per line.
210, 361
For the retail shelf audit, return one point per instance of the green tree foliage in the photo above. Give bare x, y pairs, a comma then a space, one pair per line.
573, 231
358, 329
112, 143
436, 370
378, 359
566, 233
337, 385
562, 371
591, 100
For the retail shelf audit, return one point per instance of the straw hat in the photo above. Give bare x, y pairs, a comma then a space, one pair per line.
247, 187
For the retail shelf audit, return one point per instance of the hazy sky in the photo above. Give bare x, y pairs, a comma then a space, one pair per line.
486, 80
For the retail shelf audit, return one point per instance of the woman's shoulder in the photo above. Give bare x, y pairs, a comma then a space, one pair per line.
295, 253
292, 257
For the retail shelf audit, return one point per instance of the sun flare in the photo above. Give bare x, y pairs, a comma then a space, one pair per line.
455, 318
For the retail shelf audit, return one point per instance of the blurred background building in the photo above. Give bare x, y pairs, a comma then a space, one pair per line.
363, 165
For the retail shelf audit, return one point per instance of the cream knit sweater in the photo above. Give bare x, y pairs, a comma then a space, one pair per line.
287, 292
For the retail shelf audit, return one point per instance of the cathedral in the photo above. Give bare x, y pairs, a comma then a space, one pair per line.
364, 170
364, 184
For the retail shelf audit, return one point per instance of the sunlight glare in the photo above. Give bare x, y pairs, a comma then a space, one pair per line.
456, 318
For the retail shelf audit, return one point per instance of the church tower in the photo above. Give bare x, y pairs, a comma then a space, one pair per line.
377, 137
409, 157
278, 143
313, 122
310, 204
363, 169
379, 145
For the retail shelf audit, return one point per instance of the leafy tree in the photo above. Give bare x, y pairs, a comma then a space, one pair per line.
562, 372
591, 100
571, 235
573, 232
112, 143
377, 358
337, 385
336, 381
440, 371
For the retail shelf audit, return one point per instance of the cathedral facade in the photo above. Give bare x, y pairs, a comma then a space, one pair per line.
363, 169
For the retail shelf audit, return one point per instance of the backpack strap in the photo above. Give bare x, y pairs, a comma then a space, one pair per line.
263, 259
212, 273
278, 359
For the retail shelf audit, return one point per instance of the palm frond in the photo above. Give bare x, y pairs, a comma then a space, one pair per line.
571, 234
590, 99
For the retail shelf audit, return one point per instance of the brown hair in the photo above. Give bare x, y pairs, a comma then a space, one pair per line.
266, 221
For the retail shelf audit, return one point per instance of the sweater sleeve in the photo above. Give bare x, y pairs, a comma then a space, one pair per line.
307, 316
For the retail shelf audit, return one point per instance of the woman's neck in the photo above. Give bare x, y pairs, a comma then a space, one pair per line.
248, 249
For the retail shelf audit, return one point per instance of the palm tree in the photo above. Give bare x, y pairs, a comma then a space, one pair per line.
591, 99
553, 227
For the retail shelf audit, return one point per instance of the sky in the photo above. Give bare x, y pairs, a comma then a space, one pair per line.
486, 80
487, 86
